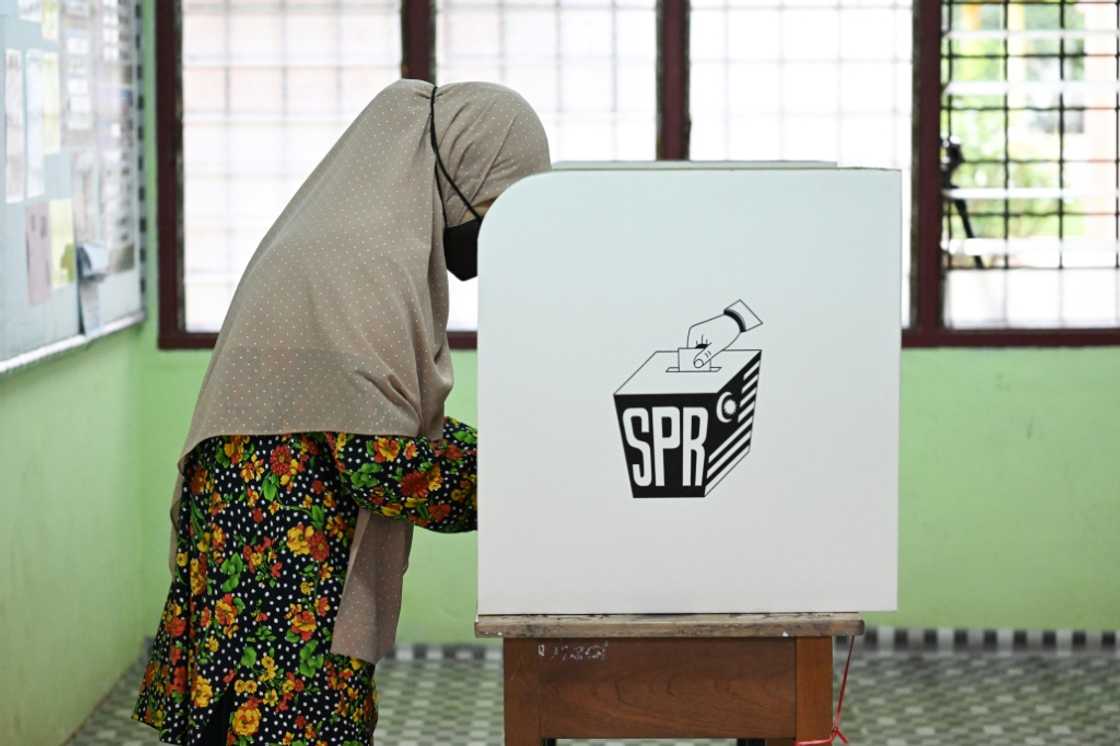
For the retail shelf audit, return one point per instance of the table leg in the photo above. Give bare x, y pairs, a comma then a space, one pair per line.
814, 688
521, 696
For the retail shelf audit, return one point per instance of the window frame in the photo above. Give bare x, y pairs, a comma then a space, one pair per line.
927, 327
927, 322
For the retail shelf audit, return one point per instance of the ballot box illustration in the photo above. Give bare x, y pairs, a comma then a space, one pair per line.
683, 430
688, 385
687, 417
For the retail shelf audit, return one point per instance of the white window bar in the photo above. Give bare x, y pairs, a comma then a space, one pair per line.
1004, 88
1056, 35
1027, 193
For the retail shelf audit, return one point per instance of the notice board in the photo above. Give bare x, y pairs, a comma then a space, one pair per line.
71, 255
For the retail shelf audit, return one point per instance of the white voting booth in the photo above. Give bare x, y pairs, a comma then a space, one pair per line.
688, 390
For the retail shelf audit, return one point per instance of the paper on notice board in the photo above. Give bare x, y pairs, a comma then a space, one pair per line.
78, 8
50, 19
16, 163
37, 232
77, 68
83, 183
52, 104
34, 94
64, 268
31, 10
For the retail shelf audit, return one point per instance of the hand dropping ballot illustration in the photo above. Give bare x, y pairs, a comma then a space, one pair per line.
687, 417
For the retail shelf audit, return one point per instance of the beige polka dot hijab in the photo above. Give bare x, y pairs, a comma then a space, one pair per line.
339, 322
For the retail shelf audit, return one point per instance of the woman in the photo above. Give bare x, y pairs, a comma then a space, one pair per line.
318, 440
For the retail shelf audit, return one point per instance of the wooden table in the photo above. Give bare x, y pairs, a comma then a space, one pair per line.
757, 678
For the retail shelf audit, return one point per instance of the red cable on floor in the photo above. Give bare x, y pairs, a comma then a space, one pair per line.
836, 732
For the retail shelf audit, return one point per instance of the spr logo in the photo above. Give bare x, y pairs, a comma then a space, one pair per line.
687, 417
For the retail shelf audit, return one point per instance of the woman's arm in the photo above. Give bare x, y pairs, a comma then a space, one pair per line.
430, 483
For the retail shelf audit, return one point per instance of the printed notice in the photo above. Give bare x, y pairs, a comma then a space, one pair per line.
52, 104
38, 253
77, 67
64, 268
83, 184
16, 164
34, 95
31, 10
50, 19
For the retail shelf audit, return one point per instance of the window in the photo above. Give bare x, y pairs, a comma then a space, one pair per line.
795, 80
1031, 221
1015, 223
268, 86
587, 68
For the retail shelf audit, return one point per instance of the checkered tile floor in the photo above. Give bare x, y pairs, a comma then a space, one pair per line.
894, 699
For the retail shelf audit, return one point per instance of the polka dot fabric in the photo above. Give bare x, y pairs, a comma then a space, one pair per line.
242, 653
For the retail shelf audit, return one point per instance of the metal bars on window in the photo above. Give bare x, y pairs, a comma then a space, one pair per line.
587, 68
801, 80
1030, 166
1036, 265
268, 85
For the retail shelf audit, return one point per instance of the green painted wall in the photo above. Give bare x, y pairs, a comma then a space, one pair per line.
1010, 489
71, 612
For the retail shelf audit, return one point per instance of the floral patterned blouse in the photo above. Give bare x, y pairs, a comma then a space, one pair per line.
241, 655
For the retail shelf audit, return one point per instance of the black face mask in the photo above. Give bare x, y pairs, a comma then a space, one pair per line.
460, 242
460, 248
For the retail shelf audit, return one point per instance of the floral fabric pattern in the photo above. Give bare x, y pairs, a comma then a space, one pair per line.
268, 521
430, 484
